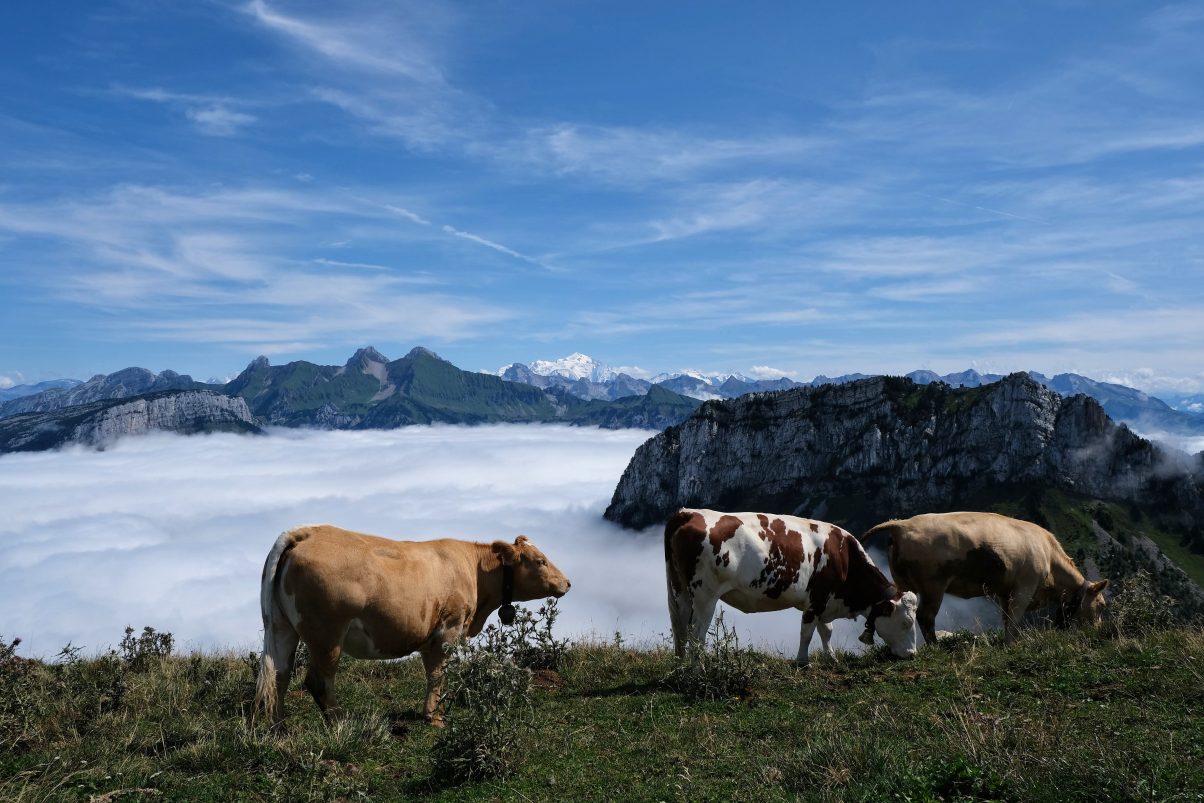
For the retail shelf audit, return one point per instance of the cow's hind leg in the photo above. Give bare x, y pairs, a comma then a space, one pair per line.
680, 606
284, 653
319, 678
702, 610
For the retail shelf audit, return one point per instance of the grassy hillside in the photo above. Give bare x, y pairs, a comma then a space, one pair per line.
1055, 716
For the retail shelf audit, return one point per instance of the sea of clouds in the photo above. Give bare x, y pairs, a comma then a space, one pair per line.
172, 531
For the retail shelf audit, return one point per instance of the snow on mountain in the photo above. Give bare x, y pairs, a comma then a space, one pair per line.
574, 366
711, 379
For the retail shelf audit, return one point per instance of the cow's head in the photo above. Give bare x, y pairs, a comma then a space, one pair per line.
894, 620
535, 577
1091, 606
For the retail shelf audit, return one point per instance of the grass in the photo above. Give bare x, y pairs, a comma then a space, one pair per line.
1052, 716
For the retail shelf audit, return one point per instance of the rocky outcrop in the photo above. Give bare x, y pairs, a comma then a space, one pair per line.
101, 423
871, 449
122, 384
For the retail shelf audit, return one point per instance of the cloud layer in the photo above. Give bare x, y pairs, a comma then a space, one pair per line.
171, 532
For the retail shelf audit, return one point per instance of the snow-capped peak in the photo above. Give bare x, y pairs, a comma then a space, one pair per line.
582, 366
712, 379
575, 366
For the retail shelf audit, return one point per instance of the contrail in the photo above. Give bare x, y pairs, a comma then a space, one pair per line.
984, 209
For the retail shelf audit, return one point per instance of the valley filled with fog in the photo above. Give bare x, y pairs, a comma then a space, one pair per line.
172, 531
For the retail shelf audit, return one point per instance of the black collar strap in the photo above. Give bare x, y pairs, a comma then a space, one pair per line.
506, 612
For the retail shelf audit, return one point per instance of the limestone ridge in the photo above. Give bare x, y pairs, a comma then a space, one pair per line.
100, 423
121, 384
884, 447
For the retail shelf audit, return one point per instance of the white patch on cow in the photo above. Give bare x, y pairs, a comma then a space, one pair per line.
286, 601
899, 629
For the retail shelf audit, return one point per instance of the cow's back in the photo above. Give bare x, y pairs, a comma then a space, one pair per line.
755, 561
971, 550
333, 576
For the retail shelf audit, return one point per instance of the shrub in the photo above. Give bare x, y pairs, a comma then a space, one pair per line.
1138, 607
487, 716
140, 653
529, 642
94, 687
955, 780
19, 699
721, 670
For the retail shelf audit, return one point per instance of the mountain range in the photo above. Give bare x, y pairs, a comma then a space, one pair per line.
17, 391
587, 378
369, 391
372, 391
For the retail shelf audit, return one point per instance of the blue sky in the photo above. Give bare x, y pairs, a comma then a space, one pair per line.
784, 188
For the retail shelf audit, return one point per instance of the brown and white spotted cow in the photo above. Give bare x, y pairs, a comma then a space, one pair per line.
1019, 564
766, 562
341, 591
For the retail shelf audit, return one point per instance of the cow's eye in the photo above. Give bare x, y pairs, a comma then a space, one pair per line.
541, 562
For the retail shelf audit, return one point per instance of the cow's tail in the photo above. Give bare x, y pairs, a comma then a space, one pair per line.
678, 619
265, 686
880, 536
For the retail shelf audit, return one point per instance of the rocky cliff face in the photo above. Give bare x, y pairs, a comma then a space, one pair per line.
100, 423
122, 384
882, 447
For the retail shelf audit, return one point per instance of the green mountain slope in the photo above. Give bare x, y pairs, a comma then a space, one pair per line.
370, 392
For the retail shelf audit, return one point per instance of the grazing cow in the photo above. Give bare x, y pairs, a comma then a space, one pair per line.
1020, 565
341, 591
765, 562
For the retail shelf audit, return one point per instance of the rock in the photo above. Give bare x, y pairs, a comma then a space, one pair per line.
101, 423
872, 449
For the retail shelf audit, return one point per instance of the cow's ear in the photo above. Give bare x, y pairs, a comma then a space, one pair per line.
506, 553
522, 539
1097, 588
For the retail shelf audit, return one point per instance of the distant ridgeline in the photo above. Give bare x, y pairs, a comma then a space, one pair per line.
100, 423
865, 451
368, 392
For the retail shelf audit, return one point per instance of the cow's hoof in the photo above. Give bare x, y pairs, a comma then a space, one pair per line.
801, 664
434, 720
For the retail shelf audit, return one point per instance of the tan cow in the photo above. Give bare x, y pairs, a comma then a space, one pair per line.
341, 591
1020, 565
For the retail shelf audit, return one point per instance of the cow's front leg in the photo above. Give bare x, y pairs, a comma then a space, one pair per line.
804, 639
1015, 606
930, 606
825, 637
434, 659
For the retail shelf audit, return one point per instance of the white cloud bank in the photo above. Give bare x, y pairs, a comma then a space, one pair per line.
171, 532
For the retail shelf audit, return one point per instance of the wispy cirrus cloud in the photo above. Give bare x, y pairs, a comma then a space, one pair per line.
393, 41
628, 155
214, 115
223, 266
